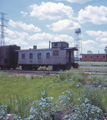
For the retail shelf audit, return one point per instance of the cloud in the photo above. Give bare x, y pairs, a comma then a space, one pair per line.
94, 14
24, 40
42, 39
19, 42
12, 23
63, 25
24, 26
23, 13
98, 35
51, 11
15, 34
76, 1
17, 38
89, 45
50, 37
11, 33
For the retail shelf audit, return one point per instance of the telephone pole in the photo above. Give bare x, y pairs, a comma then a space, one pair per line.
2, 28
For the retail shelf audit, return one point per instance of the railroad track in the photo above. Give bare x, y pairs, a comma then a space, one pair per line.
37, 73
49, 72
96, 72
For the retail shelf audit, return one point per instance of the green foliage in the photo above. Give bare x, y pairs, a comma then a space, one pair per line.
78, 78
95, 78
62, 76
3, 112
22, 105
85, 111
67, 99
42, 108
94, 95
15, 92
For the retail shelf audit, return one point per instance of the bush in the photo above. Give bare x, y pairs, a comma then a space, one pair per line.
85, 111
62, 76
3, 112
94, 96
67, 99
42, 108
78, 78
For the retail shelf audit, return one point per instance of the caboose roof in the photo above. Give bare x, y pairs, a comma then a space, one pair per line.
71, 48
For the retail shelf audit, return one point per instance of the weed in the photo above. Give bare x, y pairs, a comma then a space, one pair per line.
62, 76
67, 99
42, 108
94, 96
85, 111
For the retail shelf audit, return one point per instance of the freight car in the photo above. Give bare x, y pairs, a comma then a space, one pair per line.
59, 56
8, 56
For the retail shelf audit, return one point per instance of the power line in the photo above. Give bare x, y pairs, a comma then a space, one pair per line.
2, 28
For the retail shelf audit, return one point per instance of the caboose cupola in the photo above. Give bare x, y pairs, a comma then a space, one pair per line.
61, 45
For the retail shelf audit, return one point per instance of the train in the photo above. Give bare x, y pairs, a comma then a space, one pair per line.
59, 55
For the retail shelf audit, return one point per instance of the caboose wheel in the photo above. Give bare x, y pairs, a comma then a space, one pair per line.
54, 67
75, 65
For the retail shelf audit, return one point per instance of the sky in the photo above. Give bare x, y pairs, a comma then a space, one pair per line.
36, 22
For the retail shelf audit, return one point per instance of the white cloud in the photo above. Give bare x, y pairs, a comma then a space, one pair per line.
24, 40
17, 38
51, 11
23, 13
89, 45
18, 42
63, 25
76, 1
99, 35
15, 34
12, 23
50, 37
24, 26
94, 14
11, 33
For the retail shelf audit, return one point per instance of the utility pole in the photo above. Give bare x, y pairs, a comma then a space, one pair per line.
2, 28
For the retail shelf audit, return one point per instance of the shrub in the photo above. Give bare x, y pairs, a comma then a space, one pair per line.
78, 78
85, 111
95, 78
67, 99
3, 112
62, 76
42, 108
94, 96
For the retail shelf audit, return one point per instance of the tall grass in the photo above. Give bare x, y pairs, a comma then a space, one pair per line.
19, 92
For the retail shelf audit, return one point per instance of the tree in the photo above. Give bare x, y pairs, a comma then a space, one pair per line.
105, 49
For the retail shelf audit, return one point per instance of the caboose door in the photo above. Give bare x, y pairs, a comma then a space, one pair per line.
70, 56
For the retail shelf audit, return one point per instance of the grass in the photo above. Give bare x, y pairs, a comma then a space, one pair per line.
19, 91
92, 63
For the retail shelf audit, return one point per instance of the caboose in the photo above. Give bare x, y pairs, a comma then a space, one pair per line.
59, 56
8, 56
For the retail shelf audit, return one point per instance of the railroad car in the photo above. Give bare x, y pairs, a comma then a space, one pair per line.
8, 56
59, 56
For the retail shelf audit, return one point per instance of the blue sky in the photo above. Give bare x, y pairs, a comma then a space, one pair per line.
36, 22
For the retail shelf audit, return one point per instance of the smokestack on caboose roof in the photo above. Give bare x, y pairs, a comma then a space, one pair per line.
34, 47
49, 44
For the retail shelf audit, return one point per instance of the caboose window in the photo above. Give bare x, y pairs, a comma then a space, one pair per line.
55, 44
23, 56
39, 55
55, 53
6, 60
47, 55
31, 56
